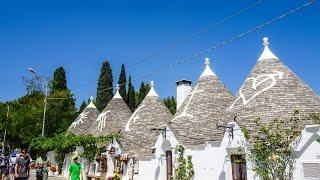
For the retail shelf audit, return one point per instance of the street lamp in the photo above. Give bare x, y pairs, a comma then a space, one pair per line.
45, 97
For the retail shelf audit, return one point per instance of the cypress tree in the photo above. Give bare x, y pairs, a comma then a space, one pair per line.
105, 86
61, 110
59, 80
131, 98
82, 106
143, 91
122, 82
171, 104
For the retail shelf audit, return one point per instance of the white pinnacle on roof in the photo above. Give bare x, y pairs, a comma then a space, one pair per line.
266, 54
91, 105
207, 71
152, 92
117, 95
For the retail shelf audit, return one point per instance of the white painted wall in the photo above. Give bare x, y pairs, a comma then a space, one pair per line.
212, 160
307, 150
182, 92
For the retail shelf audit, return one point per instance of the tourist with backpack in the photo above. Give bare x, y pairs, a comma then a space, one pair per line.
22, 168
12, 164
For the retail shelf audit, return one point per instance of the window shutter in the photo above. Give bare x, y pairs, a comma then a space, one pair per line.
311, 171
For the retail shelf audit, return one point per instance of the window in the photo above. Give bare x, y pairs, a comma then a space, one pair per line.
169, 164
239, 170
311, 170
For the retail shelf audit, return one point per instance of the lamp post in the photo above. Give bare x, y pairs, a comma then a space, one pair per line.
45, 97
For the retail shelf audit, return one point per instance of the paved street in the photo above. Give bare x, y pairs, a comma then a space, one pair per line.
33, 177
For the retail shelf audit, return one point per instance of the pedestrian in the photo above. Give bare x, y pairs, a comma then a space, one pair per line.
75, 169
42, 164
12, 164
22, 168
4, 166
39, 168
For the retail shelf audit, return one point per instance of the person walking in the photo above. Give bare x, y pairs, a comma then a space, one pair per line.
75, 169
22, 168
4, 166
42, 165
12, 164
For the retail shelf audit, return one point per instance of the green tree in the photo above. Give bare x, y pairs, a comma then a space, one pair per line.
82, 106
122, 82
131, 101
105, 86
143, 91
25, 120
59, 80
171, 104
185, 170
272, 152
61, 110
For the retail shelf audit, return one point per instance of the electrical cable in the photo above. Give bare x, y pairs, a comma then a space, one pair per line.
226, 42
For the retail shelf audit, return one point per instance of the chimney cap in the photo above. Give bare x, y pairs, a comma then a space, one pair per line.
183, 81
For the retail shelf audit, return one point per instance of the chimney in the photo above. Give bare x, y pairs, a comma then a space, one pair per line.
183, 89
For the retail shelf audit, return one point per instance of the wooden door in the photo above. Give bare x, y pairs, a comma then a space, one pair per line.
169, 164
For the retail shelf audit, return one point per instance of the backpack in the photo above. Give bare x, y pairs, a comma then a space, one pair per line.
38, 172
12, 160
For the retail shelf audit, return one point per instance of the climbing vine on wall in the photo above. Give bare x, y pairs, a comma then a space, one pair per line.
185, 170
65, 143
272, 148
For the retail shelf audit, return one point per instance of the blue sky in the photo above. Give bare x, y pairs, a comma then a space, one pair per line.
79, 35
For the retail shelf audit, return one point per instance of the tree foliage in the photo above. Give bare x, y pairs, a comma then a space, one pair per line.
82, 106
59, 81
272, 148
66, 143
123, 82
105, 86
185, 170
25, 119
143, 91
131, 101
61, 112
171, 104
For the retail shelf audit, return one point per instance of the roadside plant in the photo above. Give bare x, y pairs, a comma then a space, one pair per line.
272, 148
185, 170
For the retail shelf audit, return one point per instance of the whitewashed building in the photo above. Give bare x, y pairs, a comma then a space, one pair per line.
208, 123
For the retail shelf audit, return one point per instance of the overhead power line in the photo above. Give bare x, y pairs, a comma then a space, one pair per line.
226, 42
231, 40
192, 35
182, 41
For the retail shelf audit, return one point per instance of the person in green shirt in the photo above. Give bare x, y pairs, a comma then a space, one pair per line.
75, 169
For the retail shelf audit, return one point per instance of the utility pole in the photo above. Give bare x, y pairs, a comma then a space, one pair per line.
45, 97
5, 129
45, 106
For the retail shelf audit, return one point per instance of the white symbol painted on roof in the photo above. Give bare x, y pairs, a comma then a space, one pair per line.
134, 117
79, 121
102, 120
184, 112
255, 83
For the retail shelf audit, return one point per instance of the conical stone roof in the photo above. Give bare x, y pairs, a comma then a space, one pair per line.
195, 121
272, 91
83, 123
138, 137
113, 117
